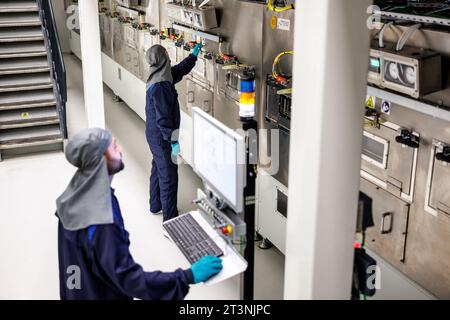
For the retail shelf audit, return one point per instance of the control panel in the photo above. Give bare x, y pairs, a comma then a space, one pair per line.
203, 18
278, 104
226, 222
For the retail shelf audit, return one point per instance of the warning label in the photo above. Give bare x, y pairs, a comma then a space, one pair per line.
371, 102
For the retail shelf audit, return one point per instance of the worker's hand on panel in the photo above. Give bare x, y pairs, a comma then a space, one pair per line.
175, 148
197, 49
206, 268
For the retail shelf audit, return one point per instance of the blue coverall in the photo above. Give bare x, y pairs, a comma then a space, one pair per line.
106, 268
163, 118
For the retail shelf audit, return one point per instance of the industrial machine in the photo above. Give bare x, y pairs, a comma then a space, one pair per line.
106, 33
405, 159
201, 18
275, 116
405, 69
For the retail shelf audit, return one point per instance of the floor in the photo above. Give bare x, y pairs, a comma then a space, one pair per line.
28, 239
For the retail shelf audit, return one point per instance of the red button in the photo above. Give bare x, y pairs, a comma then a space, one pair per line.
227, 230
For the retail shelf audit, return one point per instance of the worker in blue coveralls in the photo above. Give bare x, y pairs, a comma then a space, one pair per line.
93, 245
162, 125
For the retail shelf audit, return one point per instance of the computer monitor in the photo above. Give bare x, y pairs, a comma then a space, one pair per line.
219, 158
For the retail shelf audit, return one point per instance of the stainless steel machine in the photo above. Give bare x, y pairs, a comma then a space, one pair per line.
106, 34
405, 158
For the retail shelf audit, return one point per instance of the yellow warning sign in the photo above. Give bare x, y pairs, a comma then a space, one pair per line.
371, 102
25, 115
273, 22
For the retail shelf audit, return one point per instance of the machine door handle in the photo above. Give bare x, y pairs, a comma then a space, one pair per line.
383, 228
443, 208
444, 155
407, 138
191, 96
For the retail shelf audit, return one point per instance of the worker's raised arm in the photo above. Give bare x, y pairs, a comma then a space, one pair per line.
183, 68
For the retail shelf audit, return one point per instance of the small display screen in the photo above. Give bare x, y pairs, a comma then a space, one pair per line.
375, 64
219, 158
373, 149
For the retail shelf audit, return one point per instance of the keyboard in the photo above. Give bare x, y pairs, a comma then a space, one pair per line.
191, 239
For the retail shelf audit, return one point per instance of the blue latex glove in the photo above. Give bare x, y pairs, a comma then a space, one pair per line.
206, 268
197, 49
175, 148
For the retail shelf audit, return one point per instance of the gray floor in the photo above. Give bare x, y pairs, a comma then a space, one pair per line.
29, 268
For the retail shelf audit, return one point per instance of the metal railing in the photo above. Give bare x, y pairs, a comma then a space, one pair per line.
56, 59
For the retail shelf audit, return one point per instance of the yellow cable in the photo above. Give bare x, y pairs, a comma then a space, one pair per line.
277, 60
284, 91
276, 9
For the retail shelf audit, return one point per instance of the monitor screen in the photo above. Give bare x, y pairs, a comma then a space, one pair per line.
219, 158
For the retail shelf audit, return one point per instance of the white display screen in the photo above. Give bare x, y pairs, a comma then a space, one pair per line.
219, 158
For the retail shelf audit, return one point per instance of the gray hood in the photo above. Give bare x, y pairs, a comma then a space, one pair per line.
160, 68
87, 199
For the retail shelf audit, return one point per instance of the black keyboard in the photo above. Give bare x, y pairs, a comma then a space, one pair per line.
192, 240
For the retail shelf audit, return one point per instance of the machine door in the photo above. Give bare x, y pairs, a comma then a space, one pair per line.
131, 57
180, 53
146, 41
438, 194
102, 18
390, 215
105, 34
389, 162
198, 96
107, 28
131, 36
118, 44
204, 72
117, 28
171, 50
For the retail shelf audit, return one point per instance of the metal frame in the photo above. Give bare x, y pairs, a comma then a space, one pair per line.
374, 77
385, 143
413, 18
382, 184
413, 104
201, 34
435, 146
56, 60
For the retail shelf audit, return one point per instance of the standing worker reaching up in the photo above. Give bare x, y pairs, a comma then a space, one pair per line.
162, 125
